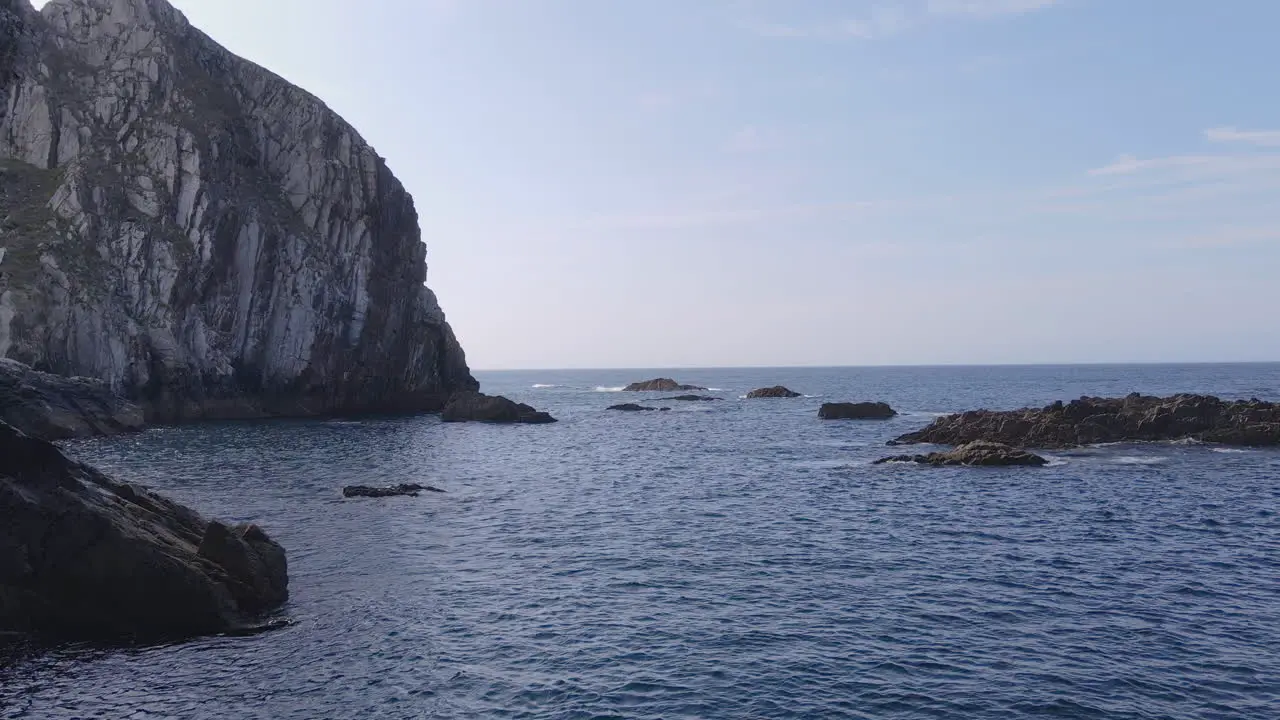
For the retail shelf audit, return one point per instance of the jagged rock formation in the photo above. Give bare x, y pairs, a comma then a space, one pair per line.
52, 407
83, 556
204, 237
1103, 420
777, 391
409, 489
856, 411
478, 407
659, 385
975, 454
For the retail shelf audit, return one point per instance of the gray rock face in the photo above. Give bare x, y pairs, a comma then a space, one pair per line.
85, 557
204, 237
52, 407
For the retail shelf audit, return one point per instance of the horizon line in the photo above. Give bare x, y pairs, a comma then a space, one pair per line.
887, 365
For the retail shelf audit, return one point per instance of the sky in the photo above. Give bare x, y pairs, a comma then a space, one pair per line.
680, 183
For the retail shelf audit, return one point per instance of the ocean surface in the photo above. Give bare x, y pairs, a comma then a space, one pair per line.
732, 559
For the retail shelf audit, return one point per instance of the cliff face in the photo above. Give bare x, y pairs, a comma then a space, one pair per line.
208, 239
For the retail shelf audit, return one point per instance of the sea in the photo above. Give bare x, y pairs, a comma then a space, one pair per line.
728, 559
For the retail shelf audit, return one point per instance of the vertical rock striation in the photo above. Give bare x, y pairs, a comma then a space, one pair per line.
201, 235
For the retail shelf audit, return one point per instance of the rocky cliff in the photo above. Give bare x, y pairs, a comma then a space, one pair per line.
206, 238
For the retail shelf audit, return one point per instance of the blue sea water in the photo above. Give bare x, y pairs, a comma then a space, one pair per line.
735, 559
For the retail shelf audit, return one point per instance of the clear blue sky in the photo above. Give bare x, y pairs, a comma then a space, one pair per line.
724, 182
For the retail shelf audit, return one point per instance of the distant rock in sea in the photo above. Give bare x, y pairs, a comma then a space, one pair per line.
410, 489
83, 556
979, 453
1089, 420
659, 385
632, 407
776, 391
856, 411
52, 407
690, 398
478, 407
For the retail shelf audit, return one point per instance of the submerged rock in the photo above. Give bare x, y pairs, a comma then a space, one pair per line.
856, 411
410, 489
632, 407
690, 398
1089, 420
209, 240
83, 556
51, 407
659, 385
478, 407
776, 391
978, 453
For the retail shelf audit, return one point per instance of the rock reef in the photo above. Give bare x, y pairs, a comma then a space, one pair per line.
660, 385
632, 407
478, 407
51, 407
690, 398
83, 556
977, 454
856, 411
776, 391
409, 489
1089, 420
207, 239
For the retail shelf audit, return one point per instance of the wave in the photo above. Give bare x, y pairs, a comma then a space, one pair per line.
1141, 460
540, 386
711, 389
1233, 451
601, 388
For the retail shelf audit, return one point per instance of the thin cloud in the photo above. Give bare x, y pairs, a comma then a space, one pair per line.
1201, 164
1265, 138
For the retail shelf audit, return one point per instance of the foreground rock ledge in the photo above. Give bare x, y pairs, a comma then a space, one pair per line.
777, 391
856, 411
478, 407
660, 385
85, 557
1089, 420
974, 454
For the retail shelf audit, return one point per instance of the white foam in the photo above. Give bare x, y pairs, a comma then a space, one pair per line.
717, 390
541, 385
1233, 451
600, 388
1140, 460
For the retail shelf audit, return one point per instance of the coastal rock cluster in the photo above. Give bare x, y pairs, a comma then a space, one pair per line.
205, 238
978, 453
85, 556
1089, 420
660, 385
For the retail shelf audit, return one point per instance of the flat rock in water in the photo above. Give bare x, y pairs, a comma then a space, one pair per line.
52, 407
85, 557
856, 411
659, 385
632, 407
410, 489
974, 454
690, 398
1135, 418
478, 407
776, 391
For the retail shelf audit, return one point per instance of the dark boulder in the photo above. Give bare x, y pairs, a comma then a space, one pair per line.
478, 407
1135, 418
776, 391
632, 407
52, 407
410, 489
856, 411
690, 398
83, 556
974, 454
659, 385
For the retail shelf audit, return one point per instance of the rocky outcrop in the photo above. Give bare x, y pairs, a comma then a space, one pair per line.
659, 385
632, 407
51, 407
196, 232
85, 556
478, 407
974, 454
856, 411
410, 489
776, 391
1136, 418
